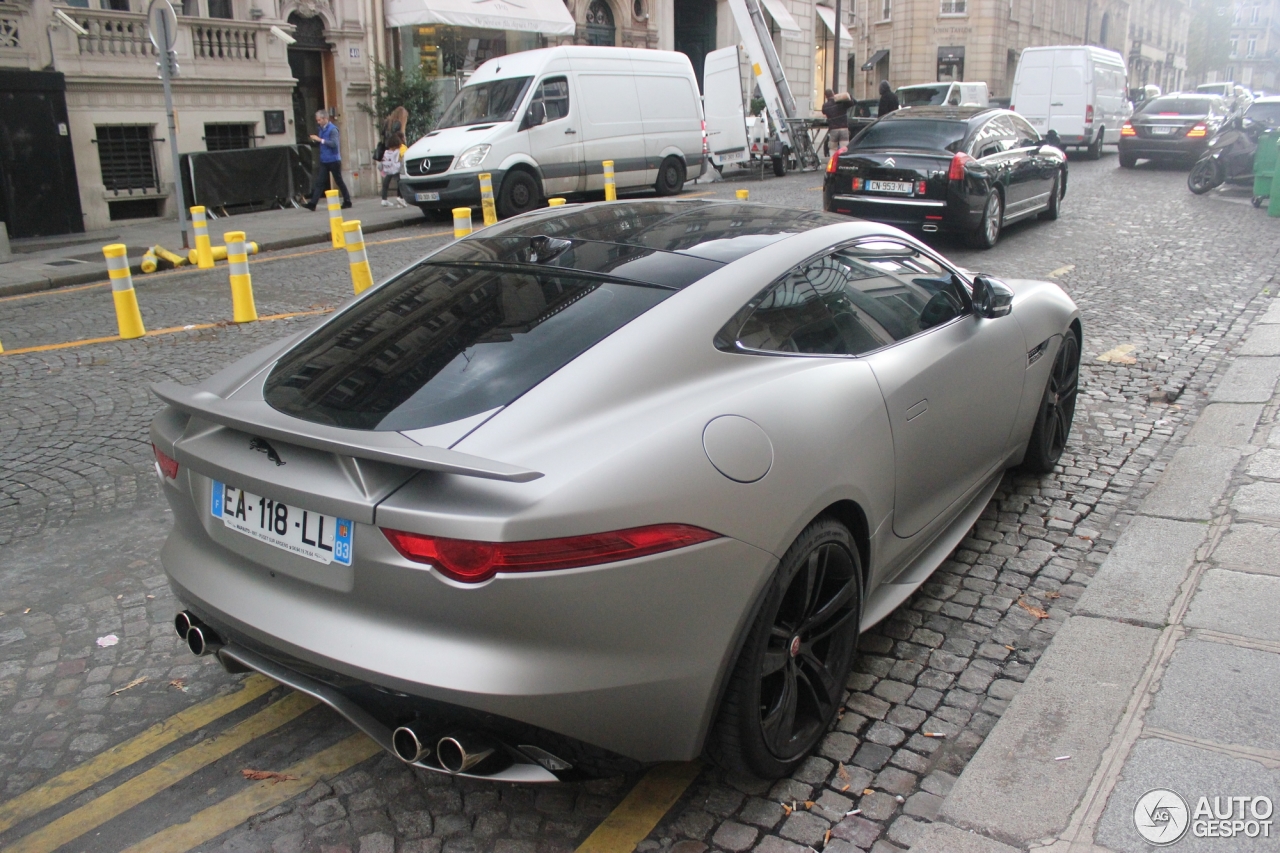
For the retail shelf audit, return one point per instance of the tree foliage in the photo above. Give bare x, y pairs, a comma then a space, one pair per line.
393, 88
1209, 41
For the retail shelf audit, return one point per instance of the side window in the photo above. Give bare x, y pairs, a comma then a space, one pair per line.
899, 290
1027, 136
553, 95
992, 138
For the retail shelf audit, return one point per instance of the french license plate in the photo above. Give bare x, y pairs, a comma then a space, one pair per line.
889, 186
313, 535
426, 196
1161, 130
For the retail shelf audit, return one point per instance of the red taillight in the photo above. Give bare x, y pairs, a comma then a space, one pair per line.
1198, 130
956, 172
1088, 114
856, 185
1127, 130
706, 149
921, 186
1012, 108
472, 562
831, 164
168, 465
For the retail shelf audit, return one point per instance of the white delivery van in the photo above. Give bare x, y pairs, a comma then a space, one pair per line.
542, 122
1079, 92
722, 103
951, 94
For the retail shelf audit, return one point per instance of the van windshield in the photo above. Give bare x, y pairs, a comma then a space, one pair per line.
496, 100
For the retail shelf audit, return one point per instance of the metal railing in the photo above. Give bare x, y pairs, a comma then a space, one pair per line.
124, 34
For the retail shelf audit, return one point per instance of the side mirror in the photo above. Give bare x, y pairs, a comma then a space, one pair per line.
537, 115
991, 297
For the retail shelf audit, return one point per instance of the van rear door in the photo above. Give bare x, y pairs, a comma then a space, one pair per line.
1032, 88
1069, 96
722, 102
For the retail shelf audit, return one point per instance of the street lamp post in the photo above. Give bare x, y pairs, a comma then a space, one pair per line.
163, 26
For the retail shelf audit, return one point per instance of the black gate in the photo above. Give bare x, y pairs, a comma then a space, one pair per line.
39, 195
695, 25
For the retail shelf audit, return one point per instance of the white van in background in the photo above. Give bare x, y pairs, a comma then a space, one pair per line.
542, 122
722, 103
1080, 92
952, 94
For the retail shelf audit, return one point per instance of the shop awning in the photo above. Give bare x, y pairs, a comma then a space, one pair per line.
828, 16
787, 24
871, 63
549, 17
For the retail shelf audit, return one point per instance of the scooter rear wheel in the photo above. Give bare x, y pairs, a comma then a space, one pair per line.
1204, 177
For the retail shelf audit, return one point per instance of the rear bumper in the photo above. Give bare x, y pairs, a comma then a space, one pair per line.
627, 657
954, 214
1163, 149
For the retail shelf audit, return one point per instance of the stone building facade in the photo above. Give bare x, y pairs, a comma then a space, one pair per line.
1254, 61
1157, 44
239, 86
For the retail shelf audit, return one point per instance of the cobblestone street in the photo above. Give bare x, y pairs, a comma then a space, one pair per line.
1167, 282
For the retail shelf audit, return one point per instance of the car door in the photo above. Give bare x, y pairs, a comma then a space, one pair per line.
992, 145
1036, 169
951, 381
554, 138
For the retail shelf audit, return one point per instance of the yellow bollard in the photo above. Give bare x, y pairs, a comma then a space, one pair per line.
486, 199
361, 275
555, 202
149, 262
743, 195
128, 317
461, 222
220, 252
335, 217
610, 190
203, 258
242, 307
177, 260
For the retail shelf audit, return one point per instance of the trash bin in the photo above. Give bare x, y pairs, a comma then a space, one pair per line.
1264, 165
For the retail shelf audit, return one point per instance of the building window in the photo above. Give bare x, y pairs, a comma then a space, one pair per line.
950, 64
126, 157
953, 7
116, 5
220, 9
1235, 46
1253, 15
886, 10
600, 28
227, 136
1253, 47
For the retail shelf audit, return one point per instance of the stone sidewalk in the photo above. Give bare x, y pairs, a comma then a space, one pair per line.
41, 263
1167, 673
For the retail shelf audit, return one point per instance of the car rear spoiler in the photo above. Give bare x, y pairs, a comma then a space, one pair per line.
258, 418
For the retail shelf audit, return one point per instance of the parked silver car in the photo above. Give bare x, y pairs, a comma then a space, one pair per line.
607, 484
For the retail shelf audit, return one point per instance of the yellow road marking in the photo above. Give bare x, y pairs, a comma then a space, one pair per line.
813, 189
164, 775
253, 259
1119, 355
236, 809
172, 330
697, 195
110, 761
1062, 270
639, 812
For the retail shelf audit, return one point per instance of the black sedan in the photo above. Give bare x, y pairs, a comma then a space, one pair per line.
1171, 127
967, 170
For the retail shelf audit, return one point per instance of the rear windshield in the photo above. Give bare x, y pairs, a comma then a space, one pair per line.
445, 342
1177, 106
909, 133
496, 100
919, 96
1269, 112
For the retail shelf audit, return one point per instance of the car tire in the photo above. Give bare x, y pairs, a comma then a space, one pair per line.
1128, 161
519, 194
1057, 409
671, 176
1094, 151
987, 234
788, 682
780, 167
1054, 210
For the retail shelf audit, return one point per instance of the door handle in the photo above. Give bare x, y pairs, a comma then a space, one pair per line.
571, 130
1056, 105
917, 410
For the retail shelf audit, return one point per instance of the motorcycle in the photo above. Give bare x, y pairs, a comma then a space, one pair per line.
1227, 159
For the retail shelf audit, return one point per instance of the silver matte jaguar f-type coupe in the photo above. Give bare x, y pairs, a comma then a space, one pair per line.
607, 484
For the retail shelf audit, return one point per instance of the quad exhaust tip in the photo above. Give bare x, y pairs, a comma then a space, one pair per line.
183, 622
408, 743
461, 751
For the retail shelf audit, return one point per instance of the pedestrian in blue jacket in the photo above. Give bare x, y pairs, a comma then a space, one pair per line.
330, 161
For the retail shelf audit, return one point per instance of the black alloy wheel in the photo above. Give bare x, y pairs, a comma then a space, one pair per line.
670, 177
1057, 408
987, 233
519, 194
789, 680
1054, 208
1203, 176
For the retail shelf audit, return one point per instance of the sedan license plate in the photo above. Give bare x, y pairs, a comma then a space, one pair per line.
426, 196
1161, 130
889, 187
318, 537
